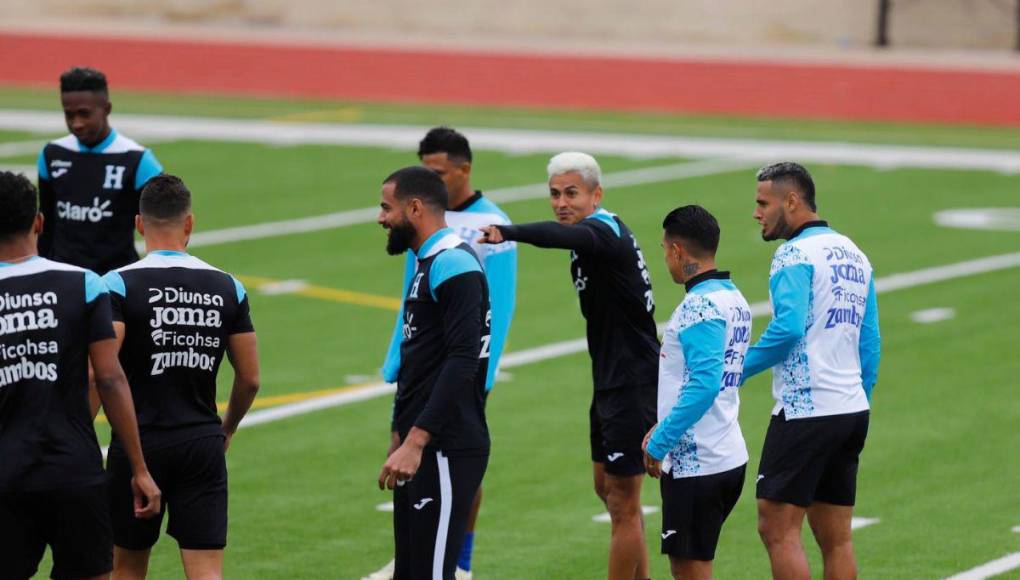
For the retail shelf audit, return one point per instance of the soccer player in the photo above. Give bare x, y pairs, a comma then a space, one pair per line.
439, 438
54, 318
89, 181
615, 291
448, 153
175, 316
697, 448
823, 347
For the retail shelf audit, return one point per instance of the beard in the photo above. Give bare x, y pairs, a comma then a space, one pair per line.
400, 237
780, 231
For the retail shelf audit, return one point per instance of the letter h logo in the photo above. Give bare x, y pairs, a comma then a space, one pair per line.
114, 177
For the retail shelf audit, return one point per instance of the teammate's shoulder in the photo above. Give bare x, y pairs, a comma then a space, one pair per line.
452, 262
123, 144
603, 219
68, 142
697, 308
487, 206
788, 254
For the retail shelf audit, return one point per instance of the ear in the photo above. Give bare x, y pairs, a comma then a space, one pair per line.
37, 224
189, 224
678, 251
792, 201
140, 225
108, 108
415, 207
466, 168
597, 195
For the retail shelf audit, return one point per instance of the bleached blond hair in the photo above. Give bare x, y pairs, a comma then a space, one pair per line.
570, 161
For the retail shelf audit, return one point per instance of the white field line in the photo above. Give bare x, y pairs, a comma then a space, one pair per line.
722, 154
558, 349
16, 148
26, 170
857, 523
341, 219
518, 141
990, 569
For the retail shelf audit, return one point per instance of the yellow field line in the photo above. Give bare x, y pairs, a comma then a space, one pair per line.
274, 400
331, 294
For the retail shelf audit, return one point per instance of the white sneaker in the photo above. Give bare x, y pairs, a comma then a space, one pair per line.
384, 573
462, 574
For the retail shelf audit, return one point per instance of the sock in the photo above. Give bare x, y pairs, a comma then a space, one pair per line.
464, 561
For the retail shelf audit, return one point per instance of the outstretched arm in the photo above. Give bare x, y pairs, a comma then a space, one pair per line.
577, 237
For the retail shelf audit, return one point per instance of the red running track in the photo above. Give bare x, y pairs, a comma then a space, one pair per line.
819, 91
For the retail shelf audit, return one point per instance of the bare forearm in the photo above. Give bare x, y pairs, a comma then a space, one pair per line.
241, 398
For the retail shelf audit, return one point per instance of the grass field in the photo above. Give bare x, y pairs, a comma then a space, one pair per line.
940, 469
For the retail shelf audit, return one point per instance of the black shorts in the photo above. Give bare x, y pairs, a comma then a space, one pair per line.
193, 478
812, 459
694, 509
74, 522
619, 420
430, 514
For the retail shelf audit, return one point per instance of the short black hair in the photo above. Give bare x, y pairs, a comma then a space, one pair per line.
445, 140
790, 174
19, 203
696, 226
420, 182
164, 198
83, 79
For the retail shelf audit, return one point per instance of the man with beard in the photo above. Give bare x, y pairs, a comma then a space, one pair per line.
90, 180
439, 438
448, 153
615, 292
823, 346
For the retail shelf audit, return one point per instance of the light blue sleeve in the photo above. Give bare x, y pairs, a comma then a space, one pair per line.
703, 345
501, 273
148, 167
450, 264
871, 342
391, 366
94, 286
791, 298
115, 283
239, 288
41, 167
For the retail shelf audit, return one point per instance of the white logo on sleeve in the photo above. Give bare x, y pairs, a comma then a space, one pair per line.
114, 177
417, 282
422, 503
668, 533
614, 456
61, 166
760, 477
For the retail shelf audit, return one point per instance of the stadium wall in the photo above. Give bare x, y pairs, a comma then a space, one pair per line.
987, 24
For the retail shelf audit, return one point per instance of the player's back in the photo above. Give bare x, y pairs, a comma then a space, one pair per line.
178, 314
714, 443
49, 314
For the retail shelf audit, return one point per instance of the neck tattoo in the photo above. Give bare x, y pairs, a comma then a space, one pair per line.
690, 269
